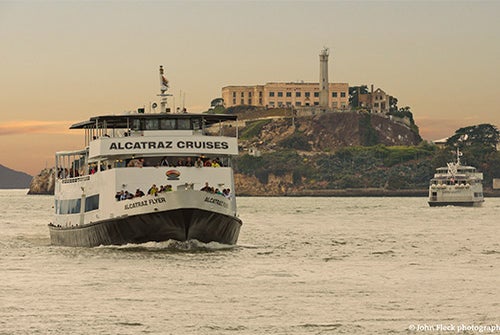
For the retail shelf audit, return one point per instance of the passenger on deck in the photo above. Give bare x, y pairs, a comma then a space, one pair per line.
153, 190
180, 162
206, 188
136, 162
124, 195
164, 162
207, 163
198, 163
189, 162
139, 193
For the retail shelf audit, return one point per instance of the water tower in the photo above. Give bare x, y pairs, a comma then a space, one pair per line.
323, 78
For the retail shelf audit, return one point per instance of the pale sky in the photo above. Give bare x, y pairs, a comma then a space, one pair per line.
65, 61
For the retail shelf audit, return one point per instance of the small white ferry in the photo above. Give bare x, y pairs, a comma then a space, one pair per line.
145, 177
456, 185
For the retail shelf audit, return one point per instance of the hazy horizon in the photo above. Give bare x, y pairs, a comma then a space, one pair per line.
64, 62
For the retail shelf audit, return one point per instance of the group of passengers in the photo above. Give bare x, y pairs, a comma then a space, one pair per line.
140, 162
225, 192
199, 162
153, 190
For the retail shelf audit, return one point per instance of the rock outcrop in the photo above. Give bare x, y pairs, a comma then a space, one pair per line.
43, 183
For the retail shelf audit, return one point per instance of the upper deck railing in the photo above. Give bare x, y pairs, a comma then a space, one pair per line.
138, 124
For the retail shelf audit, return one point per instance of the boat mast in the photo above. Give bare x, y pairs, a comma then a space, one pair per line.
163, 94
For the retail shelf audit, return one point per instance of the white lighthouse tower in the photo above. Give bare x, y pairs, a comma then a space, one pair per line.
323, 78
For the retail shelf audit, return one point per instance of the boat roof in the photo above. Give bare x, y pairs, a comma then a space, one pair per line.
122, 121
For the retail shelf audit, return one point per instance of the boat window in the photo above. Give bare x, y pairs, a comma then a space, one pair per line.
152, 124
183, 124
196, 124
167, 124
68, 206
92, 203
136, 124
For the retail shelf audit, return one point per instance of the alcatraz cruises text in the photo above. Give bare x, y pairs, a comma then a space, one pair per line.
160, 200
169, 145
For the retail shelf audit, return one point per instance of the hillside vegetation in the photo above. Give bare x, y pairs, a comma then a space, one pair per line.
334, 151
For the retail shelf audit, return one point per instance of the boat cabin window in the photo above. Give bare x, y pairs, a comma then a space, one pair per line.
183, 124
167, 124
136, 124
152, 124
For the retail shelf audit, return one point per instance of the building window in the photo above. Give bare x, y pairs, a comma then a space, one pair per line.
316, 103
249, 94
242, 101
234, 94
334, 94
288, 94
271, 94
288, 104
234, 101
260, 101
316, 94
249, 101
375, 105
297, 94
298, 103
242, 94
334, 104
307, 94
271, 103
260, 94
280, 94
342, 94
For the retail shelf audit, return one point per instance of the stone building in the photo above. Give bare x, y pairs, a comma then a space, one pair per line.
323, 94
376, 101
273, 95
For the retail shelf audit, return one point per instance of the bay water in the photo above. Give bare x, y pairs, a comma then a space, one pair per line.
304, 265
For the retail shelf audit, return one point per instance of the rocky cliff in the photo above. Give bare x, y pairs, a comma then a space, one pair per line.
43, 183
327, 132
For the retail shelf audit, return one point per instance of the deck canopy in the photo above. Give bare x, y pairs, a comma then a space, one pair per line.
164, 121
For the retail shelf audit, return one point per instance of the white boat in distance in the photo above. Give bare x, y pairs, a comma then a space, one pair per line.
456, 185
148, 177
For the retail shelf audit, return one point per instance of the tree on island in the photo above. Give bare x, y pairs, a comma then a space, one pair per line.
473, 136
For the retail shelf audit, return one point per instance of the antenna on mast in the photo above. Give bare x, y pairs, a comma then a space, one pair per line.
163, 90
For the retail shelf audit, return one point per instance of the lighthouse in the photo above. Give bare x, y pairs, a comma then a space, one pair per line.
323, 78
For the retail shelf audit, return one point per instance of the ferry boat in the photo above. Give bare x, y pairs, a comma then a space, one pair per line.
456, 185
145, 177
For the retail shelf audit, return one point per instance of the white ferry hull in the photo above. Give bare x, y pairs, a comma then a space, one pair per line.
177, 224
456, 203
456, 195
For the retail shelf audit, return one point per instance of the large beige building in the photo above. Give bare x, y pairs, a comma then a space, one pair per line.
273, 95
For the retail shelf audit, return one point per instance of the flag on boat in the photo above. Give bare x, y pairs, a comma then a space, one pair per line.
164, 82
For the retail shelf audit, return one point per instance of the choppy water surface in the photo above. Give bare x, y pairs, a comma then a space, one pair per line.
301, 266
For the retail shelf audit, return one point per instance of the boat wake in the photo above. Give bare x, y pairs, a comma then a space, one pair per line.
172, 246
